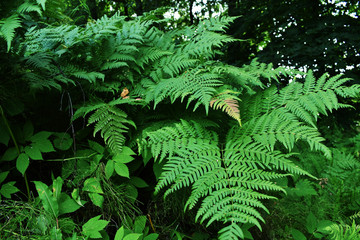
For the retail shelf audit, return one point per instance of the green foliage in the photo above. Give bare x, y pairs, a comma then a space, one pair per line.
152, 92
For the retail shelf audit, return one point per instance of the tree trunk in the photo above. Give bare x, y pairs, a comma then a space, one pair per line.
191, 12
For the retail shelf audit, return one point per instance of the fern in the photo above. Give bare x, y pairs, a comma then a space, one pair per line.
344, 232
230, 166
229, 177
8, 27
110, 121
228, 180
29, 7
228, 103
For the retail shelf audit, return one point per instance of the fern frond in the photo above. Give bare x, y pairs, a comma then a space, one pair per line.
233, 231
8, 27
228, 103
196, 85
170, 140
39, 60
39, 82
112, 123
29, 7
105, 26
228, 181
42, 3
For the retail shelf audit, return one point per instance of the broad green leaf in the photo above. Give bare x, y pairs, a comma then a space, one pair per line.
96, 199
40, 140
10, 154
119, 234
297, 235
124, 156
8, 188
44, 145
57, 186
28, 130
109, 169
139, 224
120, 158
122, 170
132, 192
151, 236
96, 147
324, 226
33, 152
138, 182
14, 106
132, 236
127, 151
93, 227
311, 223
92, 185
49, 201
3, 176
67, 204
40, 136
22, 163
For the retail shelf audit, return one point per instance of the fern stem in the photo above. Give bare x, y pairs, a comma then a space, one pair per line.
228, 178
17, 148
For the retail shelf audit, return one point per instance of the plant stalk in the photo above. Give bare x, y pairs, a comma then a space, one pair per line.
17, 148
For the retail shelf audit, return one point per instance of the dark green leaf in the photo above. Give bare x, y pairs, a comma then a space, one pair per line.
311, 223
22, 163
297, 235
8, 188
10, 154
96, 147
324, 226
3, 176
40, 136
33, 152
67, 204
44, 145
138, 182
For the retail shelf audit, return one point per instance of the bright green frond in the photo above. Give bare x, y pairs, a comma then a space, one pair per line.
8, 27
